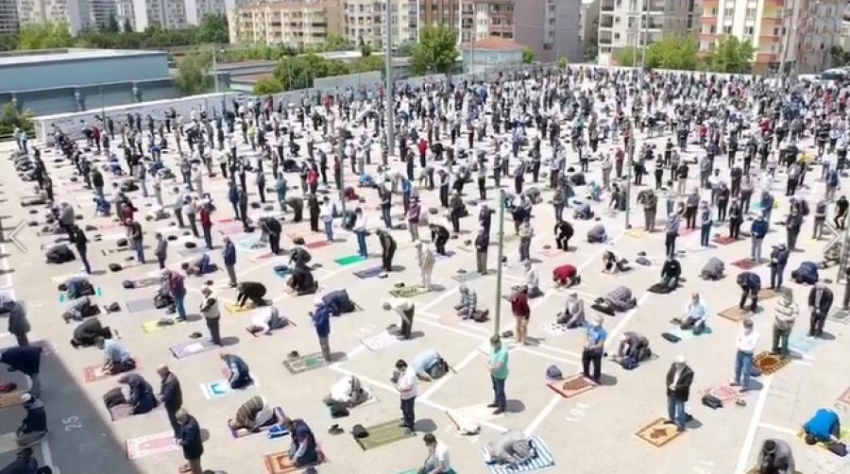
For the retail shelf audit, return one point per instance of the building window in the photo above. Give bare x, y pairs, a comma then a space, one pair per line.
749, 30
751, 13
728, 12
616, 36
727, 30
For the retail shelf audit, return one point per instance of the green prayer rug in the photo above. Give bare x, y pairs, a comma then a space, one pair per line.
349, 260
384, 434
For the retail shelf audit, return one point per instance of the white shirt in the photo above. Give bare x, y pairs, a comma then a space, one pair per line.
747, 342
441, 455
407, 384
360, 223
341, 391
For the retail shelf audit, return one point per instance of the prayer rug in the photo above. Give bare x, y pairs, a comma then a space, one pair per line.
684, 231
660, 289
603, 309
408, 292
146, 282
317, 244
555, 329
380, 341
251, 243
234, 308
466, 277
542, 460
151, 445
802, 343
572, 386
349, 260
658, 433
221, 388
227, 220
768, 363
637, 233
686, 334
279, 416
284, 274
369, 273
190, 348
187, 253
140, 306
383, 434
735, 314
98, 291
299, 365
9, 443
11, 399
154, 326
96, 372
767, 293
478, 414
725, 393
232, 229
439, 257
724, 240
844, 399
841, 316
552, 253
263, 256
746, 263
845, 437
120, 412
279, 463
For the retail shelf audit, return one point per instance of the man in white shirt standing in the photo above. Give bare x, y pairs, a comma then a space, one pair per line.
746, 344
407, 391
438, 457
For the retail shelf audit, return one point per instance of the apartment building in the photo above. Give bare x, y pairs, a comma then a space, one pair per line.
638, 23
588, 19
440, 12
8, 17
369, 19
72, 12
166, 14
289, 22
98, 12
795, 33
550, 28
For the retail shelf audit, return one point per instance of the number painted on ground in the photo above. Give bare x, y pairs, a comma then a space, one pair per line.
72, 423
578, 412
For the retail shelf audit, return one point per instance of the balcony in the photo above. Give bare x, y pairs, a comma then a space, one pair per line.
606, 22
606, 6
604, 41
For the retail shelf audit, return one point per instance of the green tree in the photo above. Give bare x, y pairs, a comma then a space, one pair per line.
128, 27
45, 36
193, 73
730, 56
11, 118
267, 85
367, 64
673, 52
436, 50
627, 57
527, 56
336, 42
405, 49
365, 49
111, 25
563, 62
839, 57
213, 29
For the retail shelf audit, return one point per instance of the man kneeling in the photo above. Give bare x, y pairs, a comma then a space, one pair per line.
250, 290
88, 331
302, 282
429, 365
566, 276
511, 448
199, 266
775, 457
468, 307
267, 321
824, 427
302, 450
347, 392
634, 349
253, 415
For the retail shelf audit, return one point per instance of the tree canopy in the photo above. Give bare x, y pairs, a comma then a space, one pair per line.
193, 73
298, 72
731, 56
628, 56
44, 36
527, 56
673, 52
435, 52
213, 29
11, 118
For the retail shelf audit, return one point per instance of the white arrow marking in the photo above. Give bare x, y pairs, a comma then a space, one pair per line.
13, 238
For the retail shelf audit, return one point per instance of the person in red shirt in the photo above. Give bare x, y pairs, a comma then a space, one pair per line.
313, 180
566, 276
522, 312
206, 224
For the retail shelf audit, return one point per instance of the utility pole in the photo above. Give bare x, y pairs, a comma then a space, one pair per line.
388, 85
631, 156
102, 107
497, 317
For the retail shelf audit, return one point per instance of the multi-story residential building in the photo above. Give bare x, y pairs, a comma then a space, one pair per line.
8, 17
796, 34
550, 28
368, 20
639, 23
72, 12
166, 14
588, 20
99, 12
440, 12
293, 23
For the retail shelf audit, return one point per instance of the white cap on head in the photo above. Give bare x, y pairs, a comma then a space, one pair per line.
318, 301
25, 398
680, 359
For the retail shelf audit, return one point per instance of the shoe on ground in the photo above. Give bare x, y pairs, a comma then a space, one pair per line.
492, 405
498, 411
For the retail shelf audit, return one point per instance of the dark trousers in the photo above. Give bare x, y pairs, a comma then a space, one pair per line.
407, 323
215, 330
670, 244
594, 357
243, 381
816, 322
499, 397
753, 303
172, 420
408, 414
387, 259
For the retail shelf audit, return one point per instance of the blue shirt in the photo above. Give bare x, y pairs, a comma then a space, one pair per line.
821, 425
424, 361
114, 351
595, 335
322, 320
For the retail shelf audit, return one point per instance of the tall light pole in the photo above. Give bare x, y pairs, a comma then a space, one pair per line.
497, 317
388, 80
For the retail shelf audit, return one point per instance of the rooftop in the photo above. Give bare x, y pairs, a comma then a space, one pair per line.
494, 43
18, 58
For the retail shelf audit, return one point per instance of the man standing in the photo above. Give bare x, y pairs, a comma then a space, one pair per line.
27, 360
746, 344
425, 258
191, 442
212, 315
171, 396
161, 250
407, 391
81, 243
482, 244
228, 254
679, 380
388, 248
322, 322
19, 325
498, 367
820, 302
783, 322
778, 260
593, 350
758, 231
